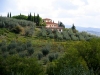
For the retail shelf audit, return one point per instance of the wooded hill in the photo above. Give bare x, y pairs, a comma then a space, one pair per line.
27, 50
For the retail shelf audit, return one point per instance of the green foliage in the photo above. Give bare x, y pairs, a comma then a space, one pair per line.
78, 57
70, 64
28, 44
16, 26
40, 55
30, 50
8, 15
23, 66
66, 35
90, 51
52, 56
29, 31
36, 19
74, 38
12, 45
60, 24
58, 36
23, 54
45, 50
22, 17
51, 35
45, 60
3, 48
19, 49
12, 51
73, 28
81, 37
17, 29
43, 32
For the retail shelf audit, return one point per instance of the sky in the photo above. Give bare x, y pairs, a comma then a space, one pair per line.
83, 13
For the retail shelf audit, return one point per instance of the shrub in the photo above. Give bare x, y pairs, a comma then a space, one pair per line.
52, 56
5, 54
17, 29
23, 54
81, 37
30, 50
90, 52
28, 44
51, 35
12, 45
29, 31
19, 49
49, 31
45, 60
3, 48
74, 38
40, 55
68, 64
12, 51
45, 51
23, 66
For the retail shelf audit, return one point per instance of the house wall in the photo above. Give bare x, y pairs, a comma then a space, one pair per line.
53, 26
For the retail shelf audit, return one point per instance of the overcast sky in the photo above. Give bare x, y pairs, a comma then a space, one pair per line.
84, 13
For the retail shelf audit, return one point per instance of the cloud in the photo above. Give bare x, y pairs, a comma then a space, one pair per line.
84, 13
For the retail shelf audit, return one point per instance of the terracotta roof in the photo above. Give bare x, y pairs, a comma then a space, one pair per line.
54, 27
50, 23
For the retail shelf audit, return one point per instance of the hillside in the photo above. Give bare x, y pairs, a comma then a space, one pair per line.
27, 50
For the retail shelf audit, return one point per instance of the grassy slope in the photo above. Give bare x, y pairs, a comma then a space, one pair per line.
38, 43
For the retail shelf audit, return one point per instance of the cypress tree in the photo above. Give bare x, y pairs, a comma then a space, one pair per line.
34, 18
73, 27
30, 17
38, 20
20, 14
10, 14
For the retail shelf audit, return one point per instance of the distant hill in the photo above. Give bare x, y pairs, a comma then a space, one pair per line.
94, 31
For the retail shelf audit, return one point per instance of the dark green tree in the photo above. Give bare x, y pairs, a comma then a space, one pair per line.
20, 14
15, 65
30, 50
10, 14
39, 55
34, 18
73, 28
38, 20
60, 24
30, 17
45, 50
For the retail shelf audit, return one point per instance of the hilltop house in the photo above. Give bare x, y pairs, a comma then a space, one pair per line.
51, 25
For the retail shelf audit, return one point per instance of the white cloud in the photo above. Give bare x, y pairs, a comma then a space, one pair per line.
84, 13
